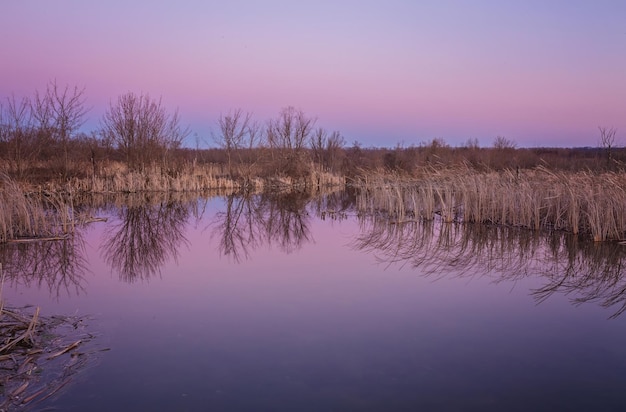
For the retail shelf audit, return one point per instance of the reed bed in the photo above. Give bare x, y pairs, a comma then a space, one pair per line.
584, 203
33, 215
117, 178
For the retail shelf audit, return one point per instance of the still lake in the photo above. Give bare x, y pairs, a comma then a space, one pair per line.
286, 303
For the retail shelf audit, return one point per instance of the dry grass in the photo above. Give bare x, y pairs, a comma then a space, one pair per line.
581, 202
116, 177
33, 215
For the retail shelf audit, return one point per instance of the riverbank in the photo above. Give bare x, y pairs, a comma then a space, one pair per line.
586, 203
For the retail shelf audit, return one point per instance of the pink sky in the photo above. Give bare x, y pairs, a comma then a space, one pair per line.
542, 73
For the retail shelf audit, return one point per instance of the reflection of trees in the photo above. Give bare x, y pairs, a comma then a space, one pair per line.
58, 265
592, 272
266, 219
585, 270
334, 205
148, 233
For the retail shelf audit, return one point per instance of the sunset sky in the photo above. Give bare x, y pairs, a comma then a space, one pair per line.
541, 73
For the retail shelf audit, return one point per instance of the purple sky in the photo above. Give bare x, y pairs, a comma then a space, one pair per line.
542, 73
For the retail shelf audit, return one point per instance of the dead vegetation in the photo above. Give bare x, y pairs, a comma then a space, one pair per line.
39, 355
43, 215
590, 204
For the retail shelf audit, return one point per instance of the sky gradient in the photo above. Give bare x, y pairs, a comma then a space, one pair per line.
541, 73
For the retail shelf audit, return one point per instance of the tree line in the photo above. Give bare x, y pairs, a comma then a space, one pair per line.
41, 138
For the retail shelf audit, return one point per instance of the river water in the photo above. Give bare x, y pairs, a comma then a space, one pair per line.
283, 303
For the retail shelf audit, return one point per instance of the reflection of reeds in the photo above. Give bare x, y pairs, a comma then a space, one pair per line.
583, 202
588, 271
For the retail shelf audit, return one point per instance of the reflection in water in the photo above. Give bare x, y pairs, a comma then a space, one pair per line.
150, 230
587, 271
58, 265
592, 272
148, 234
266, 219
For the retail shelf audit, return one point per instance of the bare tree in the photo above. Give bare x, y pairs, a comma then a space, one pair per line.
63, 110
327, 149
43, 123
253, 138
318, 144
234, 126
291, 130
142, 129
41, 108
287, 136
607, 141
334, 150
501, 142
471, 143
17, 132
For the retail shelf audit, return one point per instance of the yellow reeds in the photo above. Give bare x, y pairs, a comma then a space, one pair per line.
191, 177
34, 214
581, 202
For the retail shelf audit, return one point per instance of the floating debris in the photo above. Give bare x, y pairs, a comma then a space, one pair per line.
39, 355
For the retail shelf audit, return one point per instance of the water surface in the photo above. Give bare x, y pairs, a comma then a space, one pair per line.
289, 303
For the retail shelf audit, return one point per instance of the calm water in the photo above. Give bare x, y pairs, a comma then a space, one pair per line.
268, 304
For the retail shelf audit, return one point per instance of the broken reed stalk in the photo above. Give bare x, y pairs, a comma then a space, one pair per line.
24, 375
1, 290
583, 202
26, 372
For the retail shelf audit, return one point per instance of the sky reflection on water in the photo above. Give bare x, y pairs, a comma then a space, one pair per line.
247, 305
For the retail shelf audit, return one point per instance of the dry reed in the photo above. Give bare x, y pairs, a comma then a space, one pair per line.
32, 362
190, 177
33, 215
583, 202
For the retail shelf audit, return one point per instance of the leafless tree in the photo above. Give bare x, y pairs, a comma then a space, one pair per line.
318, 144
334, 150
327, 149
16, 121
234, 126
607, 141
291, 130
501, 142
471, 143
252, 141
142, 129
287, 137
63, 110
